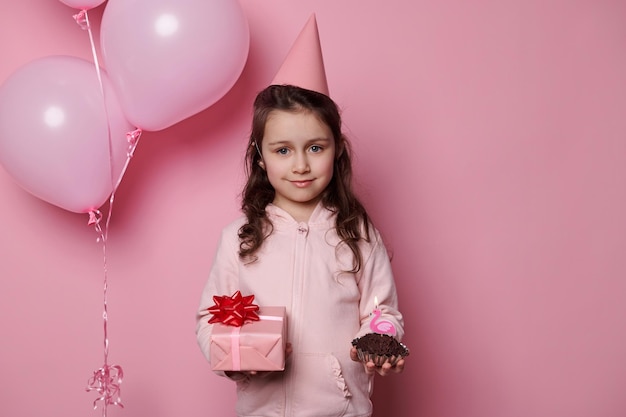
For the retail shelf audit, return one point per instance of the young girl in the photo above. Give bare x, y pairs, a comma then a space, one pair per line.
306, 243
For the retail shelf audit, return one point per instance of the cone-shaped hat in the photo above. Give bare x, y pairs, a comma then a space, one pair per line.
304, 64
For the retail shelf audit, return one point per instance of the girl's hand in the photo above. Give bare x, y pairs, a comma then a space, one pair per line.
370, 367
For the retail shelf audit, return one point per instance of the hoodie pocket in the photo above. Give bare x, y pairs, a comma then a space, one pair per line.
261, 395
320, 389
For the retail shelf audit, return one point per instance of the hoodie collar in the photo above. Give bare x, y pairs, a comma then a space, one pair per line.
321, 217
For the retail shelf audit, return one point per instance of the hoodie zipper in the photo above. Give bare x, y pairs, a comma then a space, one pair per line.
297, 295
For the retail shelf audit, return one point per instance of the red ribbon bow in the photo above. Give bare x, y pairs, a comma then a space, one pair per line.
234, 310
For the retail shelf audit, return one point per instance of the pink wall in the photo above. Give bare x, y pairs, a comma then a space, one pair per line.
491, 153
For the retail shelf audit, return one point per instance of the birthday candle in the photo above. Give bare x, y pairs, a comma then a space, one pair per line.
378, 325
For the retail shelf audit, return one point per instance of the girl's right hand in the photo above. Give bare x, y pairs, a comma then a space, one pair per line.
383, 370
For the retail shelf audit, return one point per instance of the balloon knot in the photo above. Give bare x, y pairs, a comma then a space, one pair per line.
133, 138
82, 20
94, 217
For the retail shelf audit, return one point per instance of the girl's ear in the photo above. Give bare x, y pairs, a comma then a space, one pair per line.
260, 162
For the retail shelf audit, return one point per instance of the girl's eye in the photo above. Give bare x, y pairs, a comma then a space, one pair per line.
316, 148
282, 151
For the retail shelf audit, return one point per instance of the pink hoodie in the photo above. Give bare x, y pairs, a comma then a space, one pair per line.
301, 267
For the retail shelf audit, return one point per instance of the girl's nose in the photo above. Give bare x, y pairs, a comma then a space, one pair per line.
301, 163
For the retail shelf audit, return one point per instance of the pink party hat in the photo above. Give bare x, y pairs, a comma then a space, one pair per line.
304, 64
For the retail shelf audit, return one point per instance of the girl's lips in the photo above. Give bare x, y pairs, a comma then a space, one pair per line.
301, 184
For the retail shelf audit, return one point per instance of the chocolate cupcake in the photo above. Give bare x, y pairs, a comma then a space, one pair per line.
379, 348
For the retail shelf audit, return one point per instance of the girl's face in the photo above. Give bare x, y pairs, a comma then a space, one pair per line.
298, 155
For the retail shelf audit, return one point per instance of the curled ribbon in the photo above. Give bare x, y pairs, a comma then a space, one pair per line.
234, 310
106, 381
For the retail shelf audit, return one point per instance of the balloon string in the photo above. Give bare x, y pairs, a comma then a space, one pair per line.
107, 379
82, 18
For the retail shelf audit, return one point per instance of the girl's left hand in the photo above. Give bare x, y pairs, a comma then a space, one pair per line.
370, 367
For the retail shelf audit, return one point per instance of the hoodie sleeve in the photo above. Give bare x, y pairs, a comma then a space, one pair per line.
223, 280
375, 280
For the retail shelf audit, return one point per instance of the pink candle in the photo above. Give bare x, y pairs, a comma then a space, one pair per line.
378, 325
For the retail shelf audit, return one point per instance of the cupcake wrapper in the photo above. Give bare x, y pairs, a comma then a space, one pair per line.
378, 359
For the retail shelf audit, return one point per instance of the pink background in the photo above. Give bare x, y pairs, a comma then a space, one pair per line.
490, 151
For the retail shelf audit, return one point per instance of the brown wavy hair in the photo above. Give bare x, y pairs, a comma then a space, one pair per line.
352, 222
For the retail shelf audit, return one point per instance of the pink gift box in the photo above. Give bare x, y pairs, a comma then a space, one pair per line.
255, 346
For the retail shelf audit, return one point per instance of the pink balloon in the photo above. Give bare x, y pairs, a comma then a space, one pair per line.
83, 4
54, 135
170, 59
